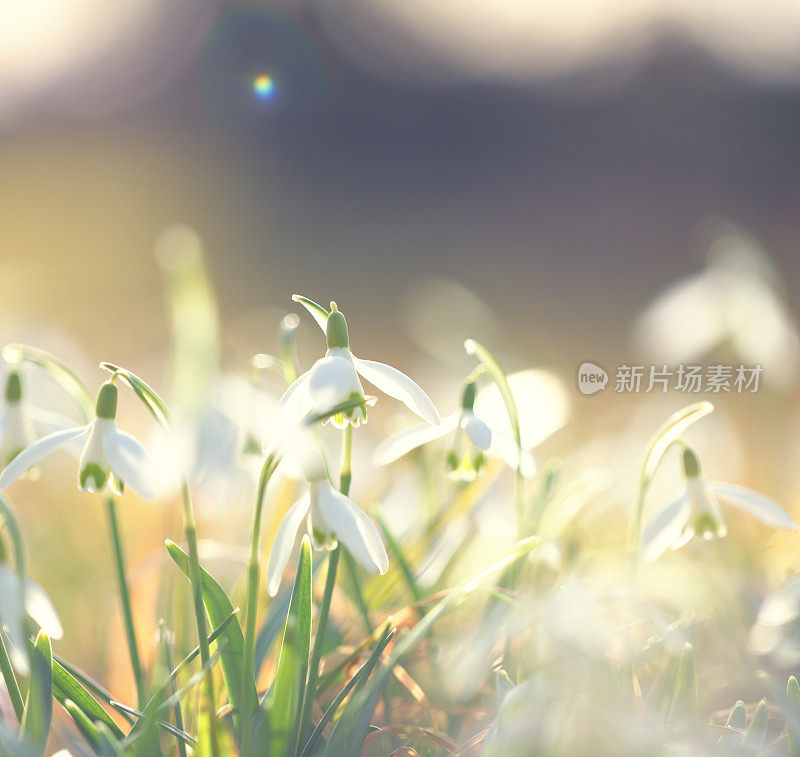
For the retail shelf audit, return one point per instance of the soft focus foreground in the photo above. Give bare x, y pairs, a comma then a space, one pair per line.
483, 561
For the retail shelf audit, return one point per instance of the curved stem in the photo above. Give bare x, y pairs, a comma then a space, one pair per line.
251, 605
125, 599
345, 477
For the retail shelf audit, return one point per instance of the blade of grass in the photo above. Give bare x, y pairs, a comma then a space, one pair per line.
283, 703
358, 679
219, 608
39, 702
177, 732
67, 687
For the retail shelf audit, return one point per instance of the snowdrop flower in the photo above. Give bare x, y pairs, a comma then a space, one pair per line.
334, 379
734, 302
463, 425
109, 456
331, 517
20, 425
696, 512
17, 603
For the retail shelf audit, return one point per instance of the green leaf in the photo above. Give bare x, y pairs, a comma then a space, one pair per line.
219, 607
66, 686
63, 376
354, 685
757, 730
98, 737
318, 313
735, 726
458, 594
793, 716
39, 703
194, 318
144, 392
282, 704
177, 732
684, 698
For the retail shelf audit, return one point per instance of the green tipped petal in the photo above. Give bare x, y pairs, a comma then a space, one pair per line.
93, 472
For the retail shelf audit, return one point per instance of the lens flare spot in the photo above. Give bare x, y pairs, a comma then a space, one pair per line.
263, 87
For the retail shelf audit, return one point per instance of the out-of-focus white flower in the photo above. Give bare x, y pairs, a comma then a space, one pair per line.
695, 511
20, 424
463, 424
18, 602
776, 631
331, 517
334, 379
109, 455
735, 301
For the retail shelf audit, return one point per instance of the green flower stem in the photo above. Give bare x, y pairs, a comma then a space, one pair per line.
345, 477
251, 604
125, 599
11, 682
190, 529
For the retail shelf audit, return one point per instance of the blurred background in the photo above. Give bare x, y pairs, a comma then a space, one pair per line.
535, 174
559, 158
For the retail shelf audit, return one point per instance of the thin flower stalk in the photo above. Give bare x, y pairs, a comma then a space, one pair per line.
125, 599
251, 605
345, 478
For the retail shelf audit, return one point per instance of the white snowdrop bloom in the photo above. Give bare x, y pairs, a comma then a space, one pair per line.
109, 455
334, 379
464, 464
736, 301
330, 517
18, 602
20, 424
695, 511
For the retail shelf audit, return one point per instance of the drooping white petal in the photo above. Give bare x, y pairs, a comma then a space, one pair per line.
284, 540
333, 381
507, 448
403, 441
47, 421
396, 384
351, 526
39, 606
755, 504
129, 461
12, 616
37, 452
667, 530
706, 516
16, 431
476, 430
295, 403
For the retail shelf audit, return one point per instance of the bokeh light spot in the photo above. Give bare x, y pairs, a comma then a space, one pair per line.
263, 87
